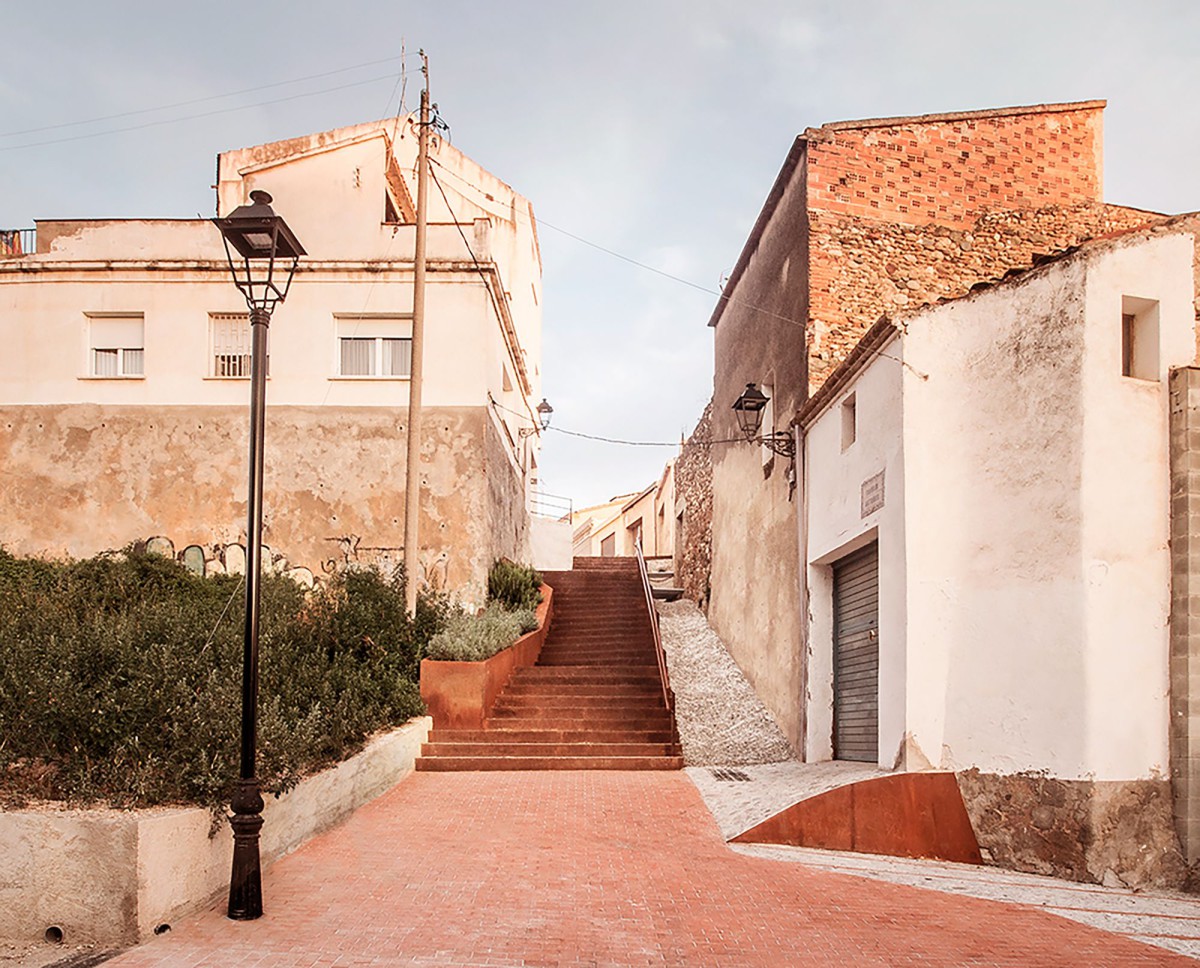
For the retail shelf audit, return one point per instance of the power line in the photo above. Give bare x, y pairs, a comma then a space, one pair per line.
618, 440
632, 261
193, 117
199, 100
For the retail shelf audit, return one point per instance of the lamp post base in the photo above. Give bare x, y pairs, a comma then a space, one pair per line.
245, 883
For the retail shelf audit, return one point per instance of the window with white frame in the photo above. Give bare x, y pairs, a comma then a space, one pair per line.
374, 347
116, 346
229, 345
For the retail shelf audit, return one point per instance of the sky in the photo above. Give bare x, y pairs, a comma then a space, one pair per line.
652, 129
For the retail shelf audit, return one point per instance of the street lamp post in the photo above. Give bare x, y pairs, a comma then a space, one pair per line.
255, 240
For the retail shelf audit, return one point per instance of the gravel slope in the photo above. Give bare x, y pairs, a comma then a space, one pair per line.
721, 720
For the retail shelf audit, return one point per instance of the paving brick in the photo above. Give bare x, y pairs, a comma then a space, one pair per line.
597, 868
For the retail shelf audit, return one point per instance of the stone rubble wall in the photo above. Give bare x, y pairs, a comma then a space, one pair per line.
1115, 833
863, 269
693, 489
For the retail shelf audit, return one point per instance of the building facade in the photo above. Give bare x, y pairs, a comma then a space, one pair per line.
124, 389
985, 518
865, 218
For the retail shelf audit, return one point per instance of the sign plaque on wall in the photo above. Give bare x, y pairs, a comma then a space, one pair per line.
872, 494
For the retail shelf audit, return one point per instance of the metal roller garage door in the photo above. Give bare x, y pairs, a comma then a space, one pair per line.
856, 656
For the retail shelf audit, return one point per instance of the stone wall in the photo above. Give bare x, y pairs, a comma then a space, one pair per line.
84, 478
863, 269
1118, 834
693, 491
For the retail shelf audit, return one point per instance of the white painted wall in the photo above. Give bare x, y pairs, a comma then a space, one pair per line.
836, 527
1126, 497
1024, 574
331, 188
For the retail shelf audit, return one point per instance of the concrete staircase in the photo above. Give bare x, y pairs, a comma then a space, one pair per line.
593, 701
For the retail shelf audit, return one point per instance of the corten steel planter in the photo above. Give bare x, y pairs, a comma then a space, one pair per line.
461, 694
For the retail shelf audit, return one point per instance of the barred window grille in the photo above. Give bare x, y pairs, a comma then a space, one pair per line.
231, 345
117, 346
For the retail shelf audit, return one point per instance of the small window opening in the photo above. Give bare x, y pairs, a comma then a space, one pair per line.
1139, 338
849, 421
390, 215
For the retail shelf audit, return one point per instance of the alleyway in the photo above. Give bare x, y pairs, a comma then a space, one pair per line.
596, 868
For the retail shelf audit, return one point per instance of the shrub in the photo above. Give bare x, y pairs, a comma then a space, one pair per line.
514, 586
121, 682
472, 638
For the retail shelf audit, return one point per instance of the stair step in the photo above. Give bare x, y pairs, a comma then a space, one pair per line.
659, 721
518, 734
563, 690
446, 764
599, 662
568, 705
495, 748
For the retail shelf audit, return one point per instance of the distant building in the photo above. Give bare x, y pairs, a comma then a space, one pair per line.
123, 386
613, 529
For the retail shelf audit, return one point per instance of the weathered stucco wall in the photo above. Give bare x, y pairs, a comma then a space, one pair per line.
85, 478
755, 580
507, 519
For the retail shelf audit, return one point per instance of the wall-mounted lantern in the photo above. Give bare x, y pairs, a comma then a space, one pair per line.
544, 412
749, 409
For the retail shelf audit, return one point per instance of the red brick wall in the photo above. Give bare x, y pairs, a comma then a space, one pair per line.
947, 171
904, 215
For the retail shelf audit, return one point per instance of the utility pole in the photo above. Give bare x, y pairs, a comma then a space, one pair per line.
412, 476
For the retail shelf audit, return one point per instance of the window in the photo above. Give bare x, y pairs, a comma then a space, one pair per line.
116, 346
1139, 338
229, 339
849, 421
374, 347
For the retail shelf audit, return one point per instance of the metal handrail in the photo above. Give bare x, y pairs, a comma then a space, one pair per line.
658, 646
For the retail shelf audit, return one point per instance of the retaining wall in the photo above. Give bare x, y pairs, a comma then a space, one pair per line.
110, 877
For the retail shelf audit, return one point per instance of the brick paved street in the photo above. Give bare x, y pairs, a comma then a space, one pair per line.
597, 868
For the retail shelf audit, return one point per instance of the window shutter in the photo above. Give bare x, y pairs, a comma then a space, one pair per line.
125, 332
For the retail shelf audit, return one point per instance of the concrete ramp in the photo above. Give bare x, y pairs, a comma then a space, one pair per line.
898, 814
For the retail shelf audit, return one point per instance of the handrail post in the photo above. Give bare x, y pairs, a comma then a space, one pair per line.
660, 655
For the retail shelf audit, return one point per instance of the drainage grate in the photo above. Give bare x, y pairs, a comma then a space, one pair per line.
726, 774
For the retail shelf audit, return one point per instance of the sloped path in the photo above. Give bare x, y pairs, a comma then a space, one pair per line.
721, 720
596, 868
